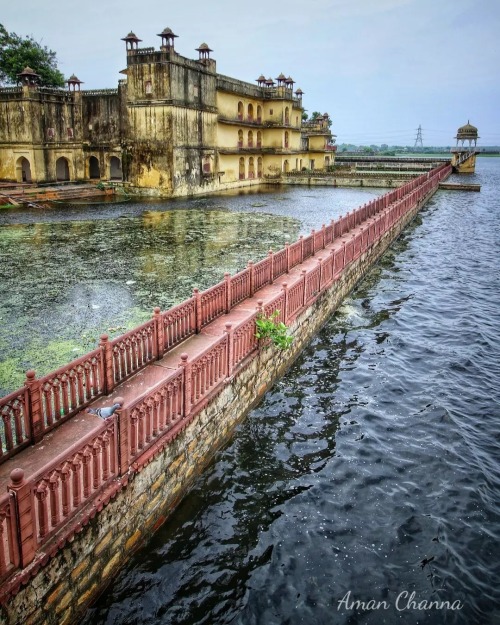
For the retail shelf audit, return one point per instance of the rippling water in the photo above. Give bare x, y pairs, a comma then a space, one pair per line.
370, 472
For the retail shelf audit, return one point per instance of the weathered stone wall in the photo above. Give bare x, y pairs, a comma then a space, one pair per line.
74, 577
355, 181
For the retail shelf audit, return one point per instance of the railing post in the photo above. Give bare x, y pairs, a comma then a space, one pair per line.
313, 239
197, 307
35, 407
107, 363
187, 383
227, 279
159, 328
285, 312
270, 255
250, 267
260, 307
323, 229
230, 347
301, 239
287, 256
25, 520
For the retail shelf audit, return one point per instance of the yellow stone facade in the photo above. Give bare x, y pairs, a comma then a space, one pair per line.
173, 127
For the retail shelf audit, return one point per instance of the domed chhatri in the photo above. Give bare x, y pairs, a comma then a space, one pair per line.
464, 156
469, 133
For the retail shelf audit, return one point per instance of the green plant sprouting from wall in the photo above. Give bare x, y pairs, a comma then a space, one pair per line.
275, 332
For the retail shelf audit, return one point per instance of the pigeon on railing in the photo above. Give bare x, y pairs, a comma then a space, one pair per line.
104, 413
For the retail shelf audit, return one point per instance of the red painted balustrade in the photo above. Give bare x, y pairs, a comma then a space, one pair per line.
150, 417
80, 480
42, 404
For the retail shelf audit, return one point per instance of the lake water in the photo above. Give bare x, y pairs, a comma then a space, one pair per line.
69, 273
370, 472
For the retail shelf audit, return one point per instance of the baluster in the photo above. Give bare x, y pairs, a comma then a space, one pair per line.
230, 347
96, 472
105, 448
76, 466
54, 498
41, 495
87, 459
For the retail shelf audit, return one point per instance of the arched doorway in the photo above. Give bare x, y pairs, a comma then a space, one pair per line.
259, 167
23, 170
240, 110
287, 115
286, 138
62, 169
94, 171
250, 139
251, 168
115, 168
242, 169
240, 138
259, 114
250, 112
259, 139
286, 166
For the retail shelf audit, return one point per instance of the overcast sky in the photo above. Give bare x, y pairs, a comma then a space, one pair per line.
380, 68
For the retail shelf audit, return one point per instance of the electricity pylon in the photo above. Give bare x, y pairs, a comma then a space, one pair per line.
418, 140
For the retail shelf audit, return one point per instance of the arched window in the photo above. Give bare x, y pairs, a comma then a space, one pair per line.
115, 168
287, 115
240, 111
250, 139
259, 167
240, 138
259, 114
23, 170
62, 169
286, 138
148, 87
250, 112
251, 168
286, 166
94, 171
242, 169
259, 139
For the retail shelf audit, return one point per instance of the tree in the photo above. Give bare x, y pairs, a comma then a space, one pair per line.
17, 52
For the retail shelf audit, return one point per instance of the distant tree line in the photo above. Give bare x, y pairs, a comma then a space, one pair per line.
18, 52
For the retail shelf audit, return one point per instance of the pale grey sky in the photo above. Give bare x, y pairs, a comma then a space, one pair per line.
379, 67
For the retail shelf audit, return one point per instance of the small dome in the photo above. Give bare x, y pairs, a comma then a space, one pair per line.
27, 71
468, 128
73, 78
281, 77
204, 47
167, 32
131, 37
261, 78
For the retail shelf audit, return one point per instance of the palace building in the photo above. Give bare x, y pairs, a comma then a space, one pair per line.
173, 127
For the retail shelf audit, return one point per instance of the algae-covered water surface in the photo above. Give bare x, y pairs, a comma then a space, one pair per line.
71, 272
